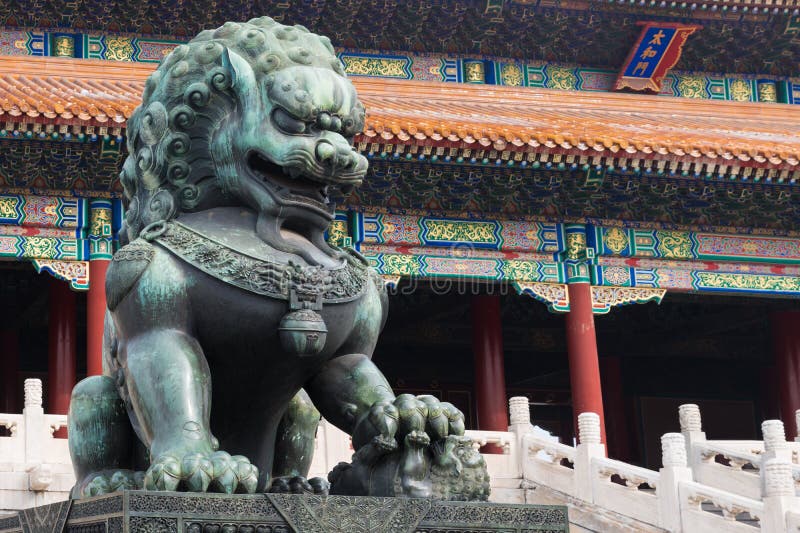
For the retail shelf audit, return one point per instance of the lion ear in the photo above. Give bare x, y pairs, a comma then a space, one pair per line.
228, 65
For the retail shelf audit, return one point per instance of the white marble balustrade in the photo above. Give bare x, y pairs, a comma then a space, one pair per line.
704, 485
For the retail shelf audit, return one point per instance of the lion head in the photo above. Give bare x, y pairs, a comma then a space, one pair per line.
256, 114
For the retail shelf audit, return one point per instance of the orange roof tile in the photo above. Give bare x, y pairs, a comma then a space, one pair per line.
478, 116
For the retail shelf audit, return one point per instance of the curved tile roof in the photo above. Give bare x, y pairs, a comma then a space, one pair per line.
455, 115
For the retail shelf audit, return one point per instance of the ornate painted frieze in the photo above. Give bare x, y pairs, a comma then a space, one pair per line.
751, 283
377, 66
43, 227
732, 278
604, 298
419, 66
750, 248
43, 211
525, 252
35, 247
59, 235
76, 273
440, 264
690, 245
554, 295
412, 230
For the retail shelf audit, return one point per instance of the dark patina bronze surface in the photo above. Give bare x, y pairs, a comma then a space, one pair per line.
232, 324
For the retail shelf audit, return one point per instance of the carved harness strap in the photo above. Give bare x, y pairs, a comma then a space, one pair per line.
294, 283
306, 289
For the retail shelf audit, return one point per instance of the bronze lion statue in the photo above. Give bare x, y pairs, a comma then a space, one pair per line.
232, 323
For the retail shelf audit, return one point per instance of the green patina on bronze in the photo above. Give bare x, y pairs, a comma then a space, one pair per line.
226, 285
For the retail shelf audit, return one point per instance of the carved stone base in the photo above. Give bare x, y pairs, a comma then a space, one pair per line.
172, 512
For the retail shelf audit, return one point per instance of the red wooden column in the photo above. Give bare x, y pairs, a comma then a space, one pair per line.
101, 213
490, 378
95, 316
786, 344
61, 349
584, 368
9, 363
614, 403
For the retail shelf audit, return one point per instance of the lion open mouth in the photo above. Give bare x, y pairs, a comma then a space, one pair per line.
288, 181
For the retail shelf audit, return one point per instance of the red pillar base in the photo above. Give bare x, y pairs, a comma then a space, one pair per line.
584, 367
61, 349
490, 379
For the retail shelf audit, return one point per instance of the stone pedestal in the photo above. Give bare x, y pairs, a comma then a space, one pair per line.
168, 512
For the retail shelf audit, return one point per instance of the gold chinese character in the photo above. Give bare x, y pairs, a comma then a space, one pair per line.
648, 53
641, 65
656, 39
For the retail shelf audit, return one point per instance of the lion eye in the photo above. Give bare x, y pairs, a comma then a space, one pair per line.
287, 123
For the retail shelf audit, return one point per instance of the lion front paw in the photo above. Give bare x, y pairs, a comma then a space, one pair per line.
300, 485
106, 482
202, 472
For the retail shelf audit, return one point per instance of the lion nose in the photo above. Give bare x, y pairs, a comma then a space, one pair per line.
332, 158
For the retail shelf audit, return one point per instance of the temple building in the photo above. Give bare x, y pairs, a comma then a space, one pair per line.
591, 204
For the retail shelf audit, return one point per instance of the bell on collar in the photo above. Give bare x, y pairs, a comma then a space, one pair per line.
303, 332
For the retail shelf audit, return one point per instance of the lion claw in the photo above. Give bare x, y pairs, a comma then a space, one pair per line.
108, 481
202, 472
299, 485
418, 438
384, 443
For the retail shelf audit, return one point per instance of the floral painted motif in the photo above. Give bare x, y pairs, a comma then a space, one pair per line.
617, 276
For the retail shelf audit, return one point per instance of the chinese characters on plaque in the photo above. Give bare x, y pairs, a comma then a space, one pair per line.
658, 49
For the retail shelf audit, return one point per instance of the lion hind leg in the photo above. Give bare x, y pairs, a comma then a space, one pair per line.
294, 448
101, 439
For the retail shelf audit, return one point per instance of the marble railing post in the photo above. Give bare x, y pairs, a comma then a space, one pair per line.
779, 495
691, 428
519, 424
675, 470
775, 447
589, 446
33, 422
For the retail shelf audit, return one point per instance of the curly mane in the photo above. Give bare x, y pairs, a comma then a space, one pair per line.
170, 168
